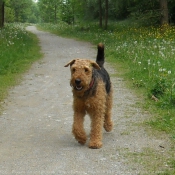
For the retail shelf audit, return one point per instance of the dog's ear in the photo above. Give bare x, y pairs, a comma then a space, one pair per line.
70, 63
95, 65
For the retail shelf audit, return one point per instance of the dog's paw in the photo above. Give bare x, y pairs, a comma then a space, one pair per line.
108, 126
80, 136
82, 142
95, 145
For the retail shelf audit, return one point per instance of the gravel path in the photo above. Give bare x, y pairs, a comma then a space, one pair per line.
35, 127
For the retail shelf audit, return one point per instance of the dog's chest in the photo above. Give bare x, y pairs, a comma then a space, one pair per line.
88, 105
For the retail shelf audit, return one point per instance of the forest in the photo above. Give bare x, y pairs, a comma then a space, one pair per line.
146, 12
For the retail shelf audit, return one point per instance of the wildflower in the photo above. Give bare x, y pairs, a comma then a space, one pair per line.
161, 53
139, 63
169, 72
160, 70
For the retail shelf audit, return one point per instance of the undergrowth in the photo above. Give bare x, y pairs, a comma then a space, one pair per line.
18, 49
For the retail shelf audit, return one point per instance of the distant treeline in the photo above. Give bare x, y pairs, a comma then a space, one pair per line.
148, 12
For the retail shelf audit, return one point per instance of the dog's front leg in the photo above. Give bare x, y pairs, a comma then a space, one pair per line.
96, 131
78, 128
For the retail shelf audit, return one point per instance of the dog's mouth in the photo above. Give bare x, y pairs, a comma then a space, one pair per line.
78, 88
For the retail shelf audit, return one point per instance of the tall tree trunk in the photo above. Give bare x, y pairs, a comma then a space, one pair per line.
73, 11
1, 13
100, 14
106, 14
164, 12
55, 13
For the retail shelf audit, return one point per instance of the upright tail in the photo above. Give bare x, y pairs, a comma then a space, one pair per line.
100, 55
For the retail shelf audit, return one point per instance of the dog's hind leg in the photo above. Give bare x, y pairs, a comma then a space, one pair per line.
108, 124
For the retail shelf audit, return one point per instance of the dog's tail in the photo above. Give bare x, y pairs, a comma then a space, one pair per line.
100, 55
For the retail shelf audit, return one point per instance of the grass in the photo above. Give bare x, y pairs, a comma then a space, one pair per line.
18, 50
155, 163
146, 55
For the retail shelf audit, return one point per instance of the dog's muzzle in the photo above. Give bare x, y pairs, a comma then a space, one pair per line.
78, 84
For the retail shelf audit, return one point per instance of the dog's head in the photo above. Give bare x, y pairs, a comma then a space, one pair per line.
81, 74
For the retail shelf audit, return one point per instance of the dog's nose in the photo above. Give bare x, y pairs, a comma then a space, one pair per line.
77, 81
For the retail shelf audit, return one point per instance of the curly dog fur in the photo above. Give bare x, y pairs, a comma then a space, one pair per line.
92, 93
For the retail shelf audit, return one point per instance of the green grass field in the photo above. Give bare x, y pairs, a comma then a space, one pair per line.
146, 58
18, 49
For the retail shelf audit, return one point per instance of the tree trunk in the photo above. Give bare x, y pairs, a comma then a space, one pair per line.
55, 13
1, 13
164, 12
100, 14
106, 14
73, 11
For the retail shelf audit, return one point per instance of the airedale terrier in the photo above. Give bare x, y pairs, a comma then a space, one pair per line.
92, 92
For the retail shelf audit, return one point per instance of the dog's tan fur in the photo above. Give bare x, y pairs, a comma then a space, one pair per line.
97, 103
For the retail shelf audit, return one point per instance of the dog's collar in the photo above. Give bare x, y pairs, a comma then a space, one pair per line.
90, 91
91, 83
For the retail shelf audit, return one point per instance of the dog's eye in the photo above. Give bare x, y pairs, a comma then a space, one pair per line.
73, 70
86, 69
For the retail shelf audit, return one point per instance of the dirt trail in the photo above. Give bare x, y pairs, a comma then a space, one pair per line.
35, 127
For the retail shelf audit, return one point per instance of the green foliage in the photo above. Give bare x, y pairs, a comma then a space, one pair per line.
33, 16
159, 87
62, 10
119, 9
67, 8
21, 11
171, 6
49, 10
146, 12
9, 15
18, 49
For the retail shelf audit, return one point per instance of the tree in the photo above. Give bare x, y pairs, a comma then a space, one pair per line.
106, 14
49, 10
164, 12
67, 11
19, 11
100, 14
1, 13
34, 15
147, 12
